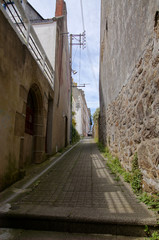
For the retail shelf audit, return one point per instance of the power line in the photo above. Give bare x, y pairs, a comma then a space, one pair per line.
88, 52
82, 15
90, 61
74, 54
80, 66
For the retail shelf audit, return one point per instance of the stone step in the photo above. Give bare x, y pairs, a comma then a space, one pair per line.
73, 225
6, 234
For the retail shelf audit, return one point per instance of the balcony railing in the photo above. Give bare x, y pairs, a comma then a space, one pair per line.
16, 15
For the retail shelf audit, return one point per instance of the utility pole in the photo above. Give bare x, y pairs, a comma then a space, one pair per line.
80, 40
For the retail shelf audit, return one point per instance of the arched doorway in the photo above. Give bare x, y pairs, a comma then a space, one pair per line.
30, 114
34, 134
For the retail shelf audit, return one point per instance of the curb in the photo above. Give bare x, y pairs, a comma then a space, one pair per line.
32, 180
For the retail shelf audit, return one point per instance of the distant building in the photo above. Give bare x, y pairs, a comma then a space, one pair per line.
82, 112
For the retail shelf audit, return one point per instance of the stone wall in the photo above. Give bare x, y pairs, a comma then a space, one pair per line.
133, 118
127, 26
129, 84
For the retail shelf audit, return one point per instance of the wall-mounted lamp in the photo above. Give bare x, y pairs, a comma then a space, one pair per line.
74, 71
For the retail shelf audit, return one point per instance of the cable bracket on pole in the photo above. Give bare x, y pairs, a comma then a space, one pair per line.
79, 39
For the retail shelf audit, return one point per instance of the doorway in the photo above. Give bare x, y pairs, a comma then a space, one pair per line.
34, 136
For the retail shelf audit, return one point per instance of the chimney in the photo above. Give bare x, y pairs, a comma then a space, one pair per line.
59, 8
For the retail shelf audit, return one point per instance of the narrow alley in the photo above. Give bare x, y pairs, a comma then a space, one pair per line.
73, 73
77, 194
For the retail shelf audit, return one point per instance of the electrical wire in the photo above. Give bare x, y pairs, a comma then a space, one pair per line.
74, 54
83, 42
90, 61
88, 52
80, 66
82, 15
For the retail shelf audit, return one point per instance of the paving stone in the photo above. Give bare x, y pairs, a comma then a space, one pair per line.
80, 186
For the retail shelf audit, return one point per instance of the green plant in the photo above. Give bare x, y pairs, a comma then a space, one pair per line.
101, 147
73, 119
155, 236
117, 178
135, 164
36, 183
127, 177
151, 200
144, 197
146, 230
136, 179
75, 135
114, 164
96, 116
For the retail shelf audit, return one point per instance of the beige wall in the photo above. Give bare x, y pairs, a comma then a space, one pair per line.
61, 109
18, 74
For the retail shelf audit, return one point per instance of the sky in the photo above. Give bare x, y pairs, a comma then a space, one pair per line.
84, 61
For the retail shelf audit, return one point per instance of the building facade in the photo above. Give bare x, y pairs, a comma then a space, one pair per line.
53, 35
34, 113
129, 96
82, 112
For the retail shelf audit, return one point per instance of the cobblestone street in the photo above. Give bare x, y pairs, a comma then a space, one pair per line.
79, 190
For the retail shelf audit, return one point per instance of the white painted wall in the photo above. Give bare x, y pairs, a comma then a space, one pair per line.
47, 36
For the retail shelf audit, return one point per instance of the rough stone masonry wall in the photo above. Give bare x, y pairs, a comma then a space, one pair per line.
133, 117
